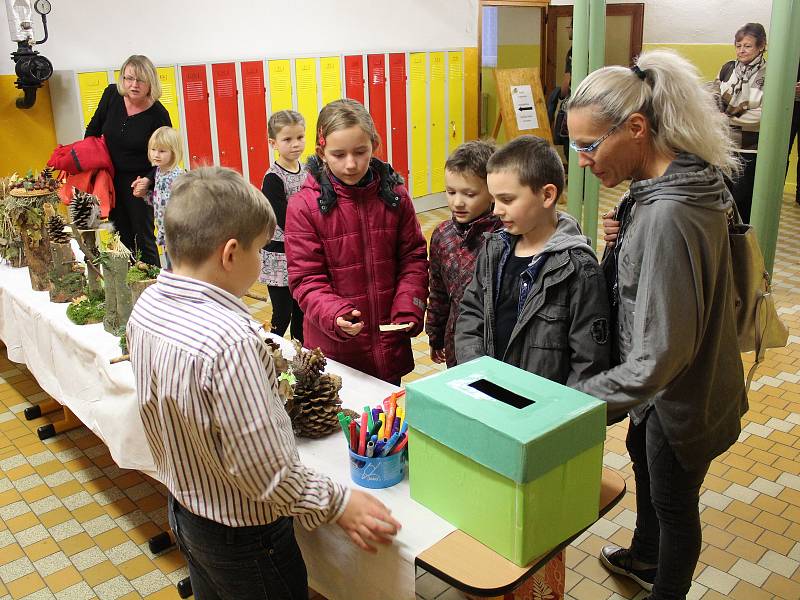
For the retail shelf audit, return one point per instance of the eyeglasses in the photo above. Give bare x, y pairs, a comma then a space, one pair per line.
129, 80
593, 146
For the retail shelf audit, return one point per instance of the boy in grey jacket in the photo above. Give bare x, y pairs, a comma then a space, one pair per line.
538, 298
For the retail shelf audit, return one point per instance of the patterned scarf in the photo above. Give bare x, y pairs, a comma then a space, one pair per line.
735, 92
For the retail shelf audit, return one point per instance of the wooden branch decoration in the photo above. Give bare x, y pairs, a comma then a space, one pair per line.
120, 359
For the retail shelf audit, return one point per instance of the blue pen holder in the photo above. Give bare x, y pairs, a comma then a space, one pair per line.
377, 473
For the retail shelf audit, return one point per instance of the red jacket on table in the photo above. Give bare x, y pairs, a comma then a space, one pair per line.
454, 250
358, 248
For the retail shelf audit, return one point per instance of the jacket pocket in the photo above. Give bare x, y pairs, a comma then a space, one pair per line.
550, 327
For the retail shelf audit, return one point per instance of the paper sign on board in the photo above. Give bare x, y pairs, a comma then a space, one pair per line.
524, 108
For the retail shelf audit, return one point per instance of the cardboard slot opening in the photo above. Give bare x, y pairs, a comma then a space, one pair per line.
500, 393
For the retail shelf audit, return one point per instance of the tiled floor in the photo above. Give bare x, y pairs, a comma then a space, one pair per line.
74, 526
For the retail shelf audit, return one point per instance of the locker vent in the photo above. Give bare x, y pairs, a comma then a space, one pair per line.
195, 90
225, 88
253, 85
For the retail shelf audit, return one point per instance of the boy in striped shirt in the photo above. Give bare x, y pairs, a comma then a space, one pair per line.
221, 439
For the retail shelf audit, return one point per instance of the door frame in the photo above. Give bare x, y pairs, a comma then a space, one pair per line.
633, 10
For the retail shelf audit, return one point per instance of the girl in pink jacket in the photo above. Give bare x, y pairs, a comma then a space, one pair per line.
355, 251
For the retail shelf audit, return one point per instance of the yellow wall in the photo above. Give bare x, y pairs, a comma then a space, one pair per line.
27, 137
709, 58
508, 57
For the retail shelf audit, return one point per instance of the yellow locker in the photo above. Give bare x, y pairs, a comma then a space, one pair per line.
438, 129
455, 104
280, 85
331, 69
305, 73
169, 94
418, 84
91, 86
471, 92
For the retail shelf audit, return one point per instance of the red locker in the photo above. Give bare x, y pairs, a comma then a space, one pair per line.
255, 120
227, 113
354, 77
376, 67
195, 109
397, 105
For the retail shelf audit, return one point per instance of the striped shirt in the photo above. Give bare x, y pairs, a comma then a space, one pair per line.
221, 439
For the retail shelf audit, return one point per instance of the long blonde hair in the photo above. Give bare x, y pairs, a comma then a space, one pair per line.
168, 138
682, 112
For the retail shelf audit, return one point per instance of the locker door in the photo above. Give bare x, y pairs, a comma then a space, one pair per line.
226, 104
354, 77
255, 120
305, 74
198, 122
399, 116
91, 86
280, 86
455, 104
419, 119
376, 66
331, 72
169, 94
438, 130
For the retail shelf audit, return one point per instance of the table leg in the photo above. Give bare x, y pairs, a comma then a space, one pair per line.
43, 408
69, 421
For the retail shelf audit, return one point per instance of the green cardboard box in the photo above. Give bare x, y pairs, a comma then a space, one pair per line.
517, 467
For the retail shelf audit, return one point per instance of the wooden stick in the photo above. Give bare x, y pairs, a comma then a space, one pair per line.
255, 296
120, 359
89, 256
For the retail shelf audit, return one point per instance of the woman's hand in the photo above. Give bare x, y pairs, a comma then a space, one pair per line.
140, 186
350, 323
365, 519
610, 227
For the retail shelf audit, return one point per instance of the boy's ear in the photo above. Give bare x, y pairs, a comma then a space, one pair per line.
228, 252
550, 193
271, 142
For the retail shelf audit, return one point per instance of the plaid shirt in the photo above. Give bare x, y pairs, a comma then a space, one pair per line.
454, 250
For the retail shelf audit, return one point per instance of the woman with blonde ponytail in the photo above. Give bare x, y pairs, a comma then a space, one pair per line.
679, 372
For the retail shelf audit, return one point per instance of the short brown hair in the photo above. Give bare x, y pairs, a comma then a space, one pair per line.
533, 159
756, 30
471, 157
281, 119
343, 114
144, 69
209, 206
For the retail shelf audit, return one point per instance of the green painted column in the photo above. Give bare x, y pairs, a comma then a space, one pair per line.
784, 52
580, 68
597, 58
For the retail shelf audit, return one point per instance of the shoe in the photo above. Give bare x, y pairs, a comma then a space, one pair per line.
619, 560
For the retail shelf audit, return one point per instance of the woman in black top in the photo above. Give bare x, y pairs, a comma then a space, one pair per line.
128, 114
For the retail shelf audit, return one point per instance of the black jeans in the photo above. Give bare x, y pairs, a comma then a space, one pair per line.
794, 132
742, 187
667, 509
240, 563
133, 219
284, 310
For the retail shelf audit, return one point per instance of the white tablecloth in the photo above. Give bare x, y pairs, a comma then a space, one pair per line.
71, 363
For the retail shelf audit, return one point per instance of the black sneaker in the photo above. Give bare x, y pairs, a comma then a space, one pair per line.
619, 560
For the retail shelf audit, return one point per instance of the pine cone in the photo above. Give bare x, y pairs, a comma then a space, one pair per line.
84, 210
307, 366
55, 230
315, 401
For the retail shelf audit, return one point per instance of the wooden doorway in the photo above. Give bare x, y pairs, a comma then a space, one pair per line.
623, 38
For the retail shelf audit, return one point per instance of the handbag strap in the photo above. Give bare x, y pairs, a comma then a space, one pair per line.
760, 350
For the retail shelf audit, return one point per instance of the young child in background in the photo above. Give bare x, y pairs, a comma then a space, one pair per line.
287, 135
455, 243
356, 254
165, 150
538, 298
220, 437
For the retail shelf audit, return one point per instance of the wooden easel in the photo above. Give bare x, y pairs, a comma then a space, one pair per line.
505, 81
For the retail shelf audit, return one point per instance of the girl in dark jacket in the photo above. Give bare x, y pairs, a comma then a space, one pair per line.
355, 250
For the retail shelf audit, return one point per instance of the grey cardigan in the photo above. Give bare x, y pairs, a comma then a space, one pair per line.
676, 329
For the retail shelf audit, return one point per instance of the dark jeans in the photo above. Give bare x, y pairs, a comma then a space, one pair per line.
794, 132
667, 509
742, 187
284, 310
133, 219
240, 563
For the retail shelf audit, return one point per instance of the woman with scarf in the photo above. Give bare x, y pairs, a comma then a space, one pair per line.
741, 90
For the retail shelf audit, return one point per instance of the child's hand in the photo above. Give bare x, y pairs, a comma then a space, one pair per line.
610, 227
437, 355
365, 519
350, 323
140, 187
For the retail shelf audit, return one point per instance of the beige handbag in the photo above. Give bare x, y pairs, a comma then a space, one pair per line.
757, 321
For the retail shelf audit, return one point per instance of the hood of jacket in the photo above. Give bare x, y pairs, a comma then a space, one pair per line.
688, 180
567, 236
384, 181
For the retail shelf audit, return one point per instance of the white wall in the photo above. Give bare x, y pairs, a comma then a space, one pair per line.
99, 33
697, 21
